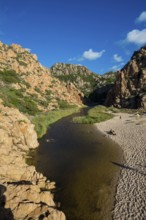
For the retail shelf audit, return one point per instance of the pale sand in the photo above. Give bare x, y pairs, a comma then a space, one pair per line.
130, 199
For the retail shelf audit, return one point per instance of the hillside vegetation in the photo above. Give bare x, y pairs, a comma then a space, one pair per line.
28, 86
94, 87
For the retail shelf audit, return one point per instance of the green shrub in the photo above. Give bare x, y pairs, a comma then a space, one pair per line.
63, 104
48, 92
110, 80
48, 95
15, 98
114, 110
26, 84
89, 81
37, 89
22, 63
9, 76
43, 103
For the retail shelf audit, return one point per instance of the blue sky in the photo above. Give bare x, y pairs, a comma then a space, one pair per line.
99, 34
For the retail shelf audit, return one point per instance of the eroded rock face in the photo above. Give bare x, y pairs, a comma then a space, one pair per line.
24, 193
35, 80
81, 77
94, 87
129, 90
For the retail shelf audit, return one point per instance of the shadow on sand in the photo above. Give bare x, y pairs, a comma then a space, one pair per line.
128, 168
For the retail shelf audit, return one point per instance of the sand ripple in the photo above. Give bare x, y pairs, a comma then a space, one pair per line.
130, 199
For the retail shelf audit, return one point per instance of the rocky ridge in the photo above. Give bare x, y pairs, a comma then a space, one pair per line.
92, 85
80, 76
24, 193
129, 90
36, 80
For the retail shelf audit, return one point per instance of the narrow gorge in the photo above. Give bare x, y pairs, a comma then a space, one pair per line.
32, 98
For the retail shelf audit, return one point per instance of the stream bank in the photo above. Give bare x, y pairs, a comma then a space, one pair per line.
80, 160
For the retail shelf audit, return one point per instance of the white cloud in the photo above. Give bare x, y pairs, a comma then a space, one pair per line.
117, 58
142, 17
28, 49
80, 59
137, 37
117, 67
88, 55
92, 55
72, 59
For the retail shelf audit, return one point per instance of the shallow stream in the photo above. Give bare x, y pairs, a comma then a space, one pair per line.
79, 159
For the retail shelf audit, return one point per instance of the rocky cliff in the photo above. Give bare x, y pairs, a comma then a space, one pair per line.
24, 193
81, 77
93, 86
21, 73
129, 90
26, 87
106, 83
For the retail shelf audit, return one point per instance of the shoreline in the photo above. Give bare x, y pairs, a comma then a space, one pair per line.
130, 130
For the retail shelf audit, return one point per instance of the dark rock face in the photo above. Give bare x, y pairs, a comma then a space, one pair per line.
100, 93
129, 90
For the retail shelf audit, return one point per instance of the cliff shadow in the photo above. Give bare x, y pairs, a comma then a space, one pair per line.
99, 95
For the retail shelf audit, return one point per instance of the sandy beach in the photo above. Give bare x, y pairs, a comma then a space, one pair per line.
130, 134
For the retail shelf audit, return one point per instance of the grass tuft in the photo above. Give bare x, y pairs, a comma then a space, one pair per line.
43, 121
94, 115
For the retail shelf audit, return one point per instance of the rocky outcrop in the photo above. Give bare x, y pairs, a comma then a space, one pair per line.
24, 193
81, 77
93, 86
105, 84
129, 90
20, 59
35, 80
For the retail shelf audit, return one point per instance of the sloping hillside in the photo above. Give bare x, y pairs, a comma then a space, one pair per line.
93, 86
28, 86
80, 76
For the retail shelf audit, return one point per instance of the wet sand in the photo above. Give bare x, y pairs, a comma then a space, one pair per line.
130, 198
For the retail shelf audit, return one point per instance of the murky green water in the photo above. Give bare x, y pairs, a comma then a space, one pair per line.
79, 159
